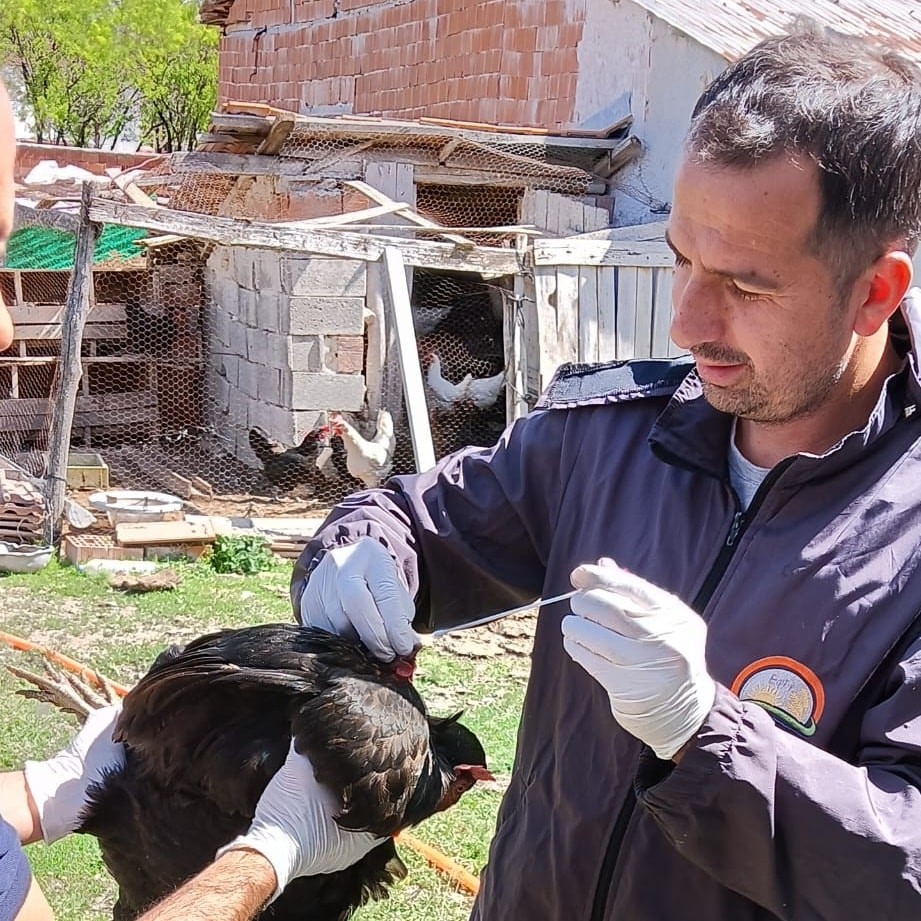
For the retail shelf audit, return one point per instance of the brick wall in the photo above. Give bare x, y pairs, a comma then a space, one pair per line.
494, 61
88, 158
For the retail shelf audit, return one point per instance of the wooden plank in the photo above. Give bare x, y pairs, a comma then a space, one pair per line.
616, 159
36, 314
17, 288
349, 217
393, 129
626, 312
108, 409
662, 345
125, 182
413, 388
595, 218
588, 314
24, 216
408, 213
164, 532
282, 126
69, 371
570, 132
546, 338
606, 281
634, 233
456, 176
581, 251
642, 336
488, 261
53, 331
206, 161
516, 358
174, 482
567, 313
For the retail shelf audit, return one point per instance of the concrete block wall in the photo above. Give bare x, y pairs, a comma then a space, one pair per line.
286, 342
495, 61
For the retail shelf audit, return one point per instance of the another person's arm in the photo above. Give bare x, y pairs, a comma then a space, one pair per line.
293, 834
21, 899
234, 888
18, 808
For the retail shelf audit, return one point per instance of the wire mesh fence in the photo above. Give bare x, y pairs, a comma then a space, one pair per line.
195, 384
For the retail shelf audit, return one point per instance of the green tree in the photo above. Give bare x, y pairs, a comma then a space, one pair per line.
177, 74
89, 69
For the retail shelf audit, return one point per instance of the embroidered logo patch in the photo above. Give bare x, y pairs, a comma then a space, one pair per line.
787, 689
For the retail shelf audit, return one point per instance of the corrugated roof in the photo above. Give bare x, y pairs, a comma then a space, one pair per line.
46, 248
731, 27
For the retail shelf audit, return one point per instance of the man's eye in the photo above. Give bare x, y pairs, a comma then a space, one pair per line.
743, 295
681, 261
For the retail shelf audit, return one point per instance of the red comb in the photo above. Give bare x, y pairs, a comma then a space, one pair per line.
405, 667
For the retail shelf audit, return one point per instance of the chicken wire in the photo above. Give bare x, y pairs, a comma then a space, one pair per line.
173, 393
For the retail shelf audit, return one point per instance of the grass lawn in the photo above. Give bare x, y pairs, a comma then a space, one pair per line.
121, 634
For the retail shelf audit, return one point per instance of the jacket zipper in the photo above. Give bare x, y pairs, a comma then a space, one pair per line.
737, 527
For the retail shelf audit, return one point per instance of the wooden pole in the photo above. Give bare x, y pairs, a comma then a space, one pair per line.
70, 368
398, 291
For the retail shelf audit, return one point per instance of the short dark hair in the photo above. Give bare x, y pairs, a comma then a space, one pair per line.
853, 108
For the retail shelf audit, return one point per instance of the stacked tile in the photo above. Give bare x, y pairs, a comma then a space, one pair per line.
22, 509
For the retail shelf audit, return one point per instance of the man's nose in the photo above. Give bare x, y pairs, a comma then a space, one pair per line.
697, 314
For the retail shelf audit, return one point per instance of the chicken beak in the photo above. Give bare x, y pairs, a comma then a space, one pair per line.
476, 771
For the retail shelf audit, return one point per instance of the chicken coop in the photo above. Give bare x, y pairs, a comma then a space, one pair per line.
141, 355
295, 335
321, 302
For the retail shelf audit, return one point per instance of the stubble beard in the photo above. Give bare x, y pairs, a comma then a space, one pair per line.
795, 397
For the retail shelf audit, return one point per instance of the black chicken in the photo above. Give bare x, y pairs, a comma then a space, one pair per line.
288, 468
209, 724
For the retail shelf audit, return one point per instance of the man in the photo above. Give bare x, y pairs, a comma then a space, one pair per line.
757, 639
293, 832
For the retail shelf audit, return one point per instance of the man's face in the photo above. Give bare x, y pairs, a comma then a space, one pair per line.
759, 312
7, 154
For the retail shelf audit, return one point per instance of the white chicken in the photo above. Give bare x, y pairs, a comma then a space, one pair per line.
367, 460
481, 391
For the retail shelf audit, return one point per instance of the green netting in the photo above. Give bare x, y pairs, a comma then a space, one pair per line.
47, 248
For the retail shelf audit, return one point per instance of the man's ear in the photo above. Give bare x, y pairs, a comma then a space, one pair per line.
883, 286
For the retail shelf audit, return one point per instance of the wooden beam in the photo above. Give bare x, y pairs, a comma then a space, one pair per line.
449, 176
59, 220
69, 371
413, 388
616, 127
392, 129
33, 314
488, 261
615, 160
282, 126
125, 182
349, 217
408, 212
103, 409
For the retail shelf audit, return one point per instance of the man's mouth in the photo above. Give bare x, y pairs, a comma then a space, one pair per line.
719, 374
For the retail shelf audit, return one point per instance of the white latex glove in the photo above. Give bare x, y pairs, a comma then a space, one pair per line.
59, 785
294, 828
357, 591
645, 647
